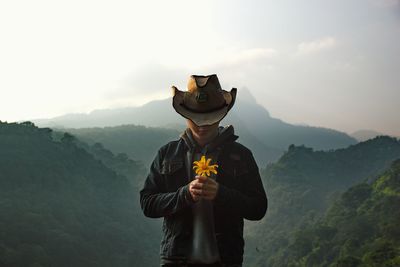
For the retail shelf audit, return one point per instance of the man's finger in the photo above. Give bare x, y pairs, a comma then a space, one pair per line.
197, 192
211, 182
210, 187
198, 185
208, 193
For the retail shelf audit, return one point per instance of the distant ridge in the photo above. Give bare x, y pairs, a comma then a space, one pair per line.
252, 123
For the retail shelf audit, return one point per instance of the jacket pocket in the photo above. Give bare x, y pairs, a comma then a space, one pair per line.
171, 166
173, 174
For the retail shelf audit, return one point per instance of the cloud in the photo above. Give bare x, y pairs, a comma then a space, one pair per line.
149, 82
344, 66
386, 3
153, 80
241, 66
250, 55
220, 57
317, 45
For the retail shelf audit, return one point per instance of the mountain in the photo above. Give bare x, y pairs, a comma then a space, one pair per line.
138, 142
359, 229
268, 137
65, 203
121, 163
279, 134
303, 184
141, 143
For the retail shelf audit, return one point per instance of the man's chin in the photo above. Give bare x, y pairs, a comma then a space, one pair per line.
203, 133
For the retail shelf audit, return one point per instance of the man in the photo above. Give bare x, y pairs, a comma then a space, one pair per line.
203, 216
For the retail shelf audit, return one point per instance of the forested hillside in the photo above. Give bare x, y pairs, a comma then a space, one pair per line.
141, 143
121, 163
62, 206
138, 142
69, 203
303, 184
360, 229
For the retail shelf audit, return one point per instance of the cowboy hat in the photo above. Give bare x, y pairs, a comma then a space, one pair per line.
205, 102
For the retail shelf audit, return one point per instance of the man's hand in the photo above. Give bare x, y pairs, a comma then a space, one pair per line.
203, 187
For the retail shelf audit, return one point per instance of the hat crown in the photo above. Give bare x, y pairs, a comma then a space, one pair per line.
204, 93
199, 81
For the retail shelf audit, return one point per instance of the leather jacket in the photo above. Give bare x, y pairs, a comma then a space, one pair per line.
240, 195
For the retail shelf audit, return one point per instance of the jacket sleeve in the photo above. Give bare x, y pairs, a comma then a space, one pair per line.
251, 201
155, 202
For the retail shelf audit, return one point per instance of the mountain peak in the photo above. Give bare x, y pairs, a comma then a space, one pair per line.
245, 95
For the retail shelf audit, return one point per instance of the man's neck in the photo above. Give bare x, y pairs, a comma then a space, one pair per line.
204, 141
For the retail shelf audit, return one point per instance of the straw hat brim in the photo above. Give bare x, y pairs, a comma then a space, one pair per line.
203, 118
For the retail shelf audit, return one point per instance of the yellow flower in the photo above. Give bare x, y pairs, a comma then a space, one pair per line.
203, 168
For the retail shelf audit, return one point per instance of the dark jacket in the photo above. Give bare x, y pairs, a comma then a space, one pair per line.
240, 195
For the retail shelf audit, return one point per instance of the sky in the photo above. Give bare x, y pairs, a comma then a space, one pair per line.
332, 63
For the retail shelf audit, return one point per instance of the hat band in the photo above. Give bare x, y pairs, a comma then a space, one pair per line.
206, 111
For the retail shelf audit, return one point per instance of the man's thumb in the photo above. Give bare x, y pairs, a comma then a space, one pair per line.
201, 178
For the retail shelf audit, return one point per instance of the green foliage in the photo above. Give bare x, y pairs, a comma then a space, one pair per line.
71, 203
362, 224
303, 185
133, 170
65, 203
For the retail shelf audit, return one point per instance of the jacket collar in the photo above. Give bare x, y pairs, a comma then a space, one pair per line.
225, 136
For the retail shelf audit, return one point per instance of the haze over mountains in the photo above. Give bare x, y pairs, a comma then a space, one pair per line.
268, 137
364, 135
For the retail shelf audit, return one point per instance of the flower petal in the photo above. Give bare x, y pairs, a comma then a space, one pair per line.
203, 166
